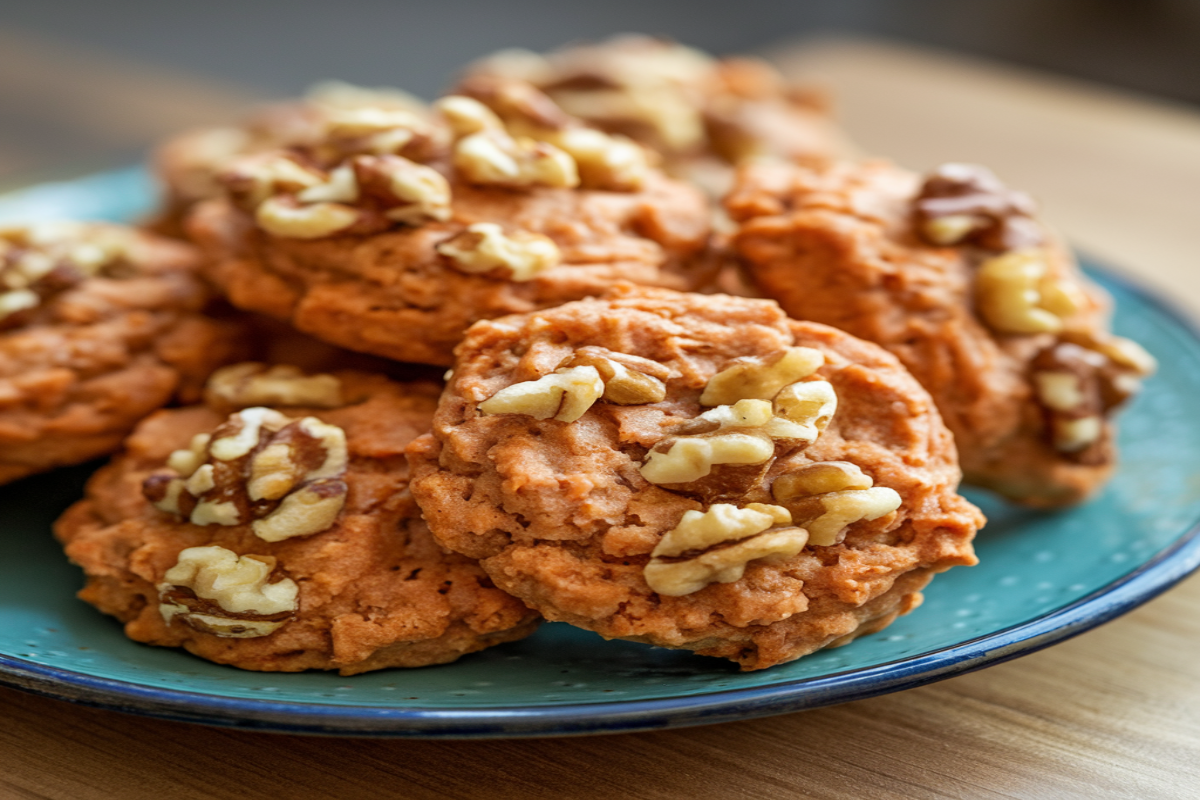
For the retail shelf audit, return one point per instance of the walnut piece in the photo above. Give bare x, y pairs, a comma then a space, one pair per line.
564, 395
254, 384
215, 591
406, 191
282, 476
966, 203
486, 153
1016, 294
494, 158
1078, 384
761, 378
42, 259
253, 179
826, 497
714, 546
710, 456
283, 216
628, 380
605, 161
687, 459
485, 246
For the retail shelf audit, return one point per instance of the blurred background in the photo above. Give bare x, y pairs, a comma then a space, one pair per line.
155, 66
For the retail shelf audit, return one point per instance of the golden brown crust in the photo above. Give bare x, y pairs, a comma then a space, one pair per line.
837, 245
392, 294
561, 516
78, 371
375, 591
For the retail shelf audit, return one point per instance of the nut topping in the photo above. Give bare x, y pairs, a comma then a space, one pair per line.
761, 378
564, 395
1078, 385
967, 204
604, 161
40, 260
487, 154
254, 384
827, 497
628, 380
215, 591
283, 216
284, 477
1016, 294
714, 546
485, 246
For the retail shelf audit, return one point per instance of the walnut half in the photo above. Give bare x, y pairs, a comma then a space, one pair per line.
1016, 294
827, 497
281, 476
485, 246
214, 590
254, 384
714, 546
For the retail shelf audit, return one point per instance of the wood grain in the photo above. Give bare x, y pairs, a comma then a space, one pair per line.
1113, 713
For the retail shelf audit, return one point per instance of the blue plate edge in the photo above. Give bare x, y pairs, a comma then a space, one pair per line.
1151, 579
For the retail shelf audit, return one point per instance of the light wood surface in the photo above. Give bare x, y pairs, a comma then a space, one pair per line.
1113, 713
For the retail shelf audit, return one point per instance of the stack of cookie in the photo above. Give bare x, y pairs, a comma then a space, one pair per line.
615, 444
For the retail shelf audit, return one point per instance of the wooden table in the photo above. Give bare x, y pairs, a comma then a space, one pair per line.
1113, 713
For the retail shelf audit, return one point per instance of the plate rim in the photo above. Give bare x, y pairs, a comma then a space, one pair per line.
1167, 568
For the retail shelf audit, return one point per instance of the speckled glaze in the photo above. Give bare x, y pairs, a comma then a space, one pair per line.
1042, 578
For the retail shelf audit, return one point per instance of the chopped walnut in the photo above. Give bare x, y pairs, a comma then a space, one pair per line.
406, 191
1078, 385
725, 452
714, 546
484, 247
826, 497
284, 217
803, 410
967, 204
1015, 294
43, 259
628, 380
762, 377
282, 476
676, 462
215, 591
254, 384
492, 157
604, 161
648, 88
564, 395
253, 179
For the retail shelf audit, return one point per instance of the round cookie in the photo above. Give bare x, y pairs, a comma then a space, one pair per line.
704, 115
394, 232
956, 276
99, 326
271, 529
694, 472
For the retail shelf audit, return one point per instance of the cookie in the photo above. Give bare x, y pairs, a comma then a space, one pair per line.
957, 276
99, 326
394, 232
704, 115
271, 529
695, 472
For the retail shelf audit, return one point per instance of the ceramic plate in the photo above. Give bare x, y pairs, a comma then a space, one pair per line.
1042, 578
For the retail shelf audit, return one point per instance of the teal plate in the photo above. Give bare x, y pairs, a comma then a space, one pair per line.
1043, 577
